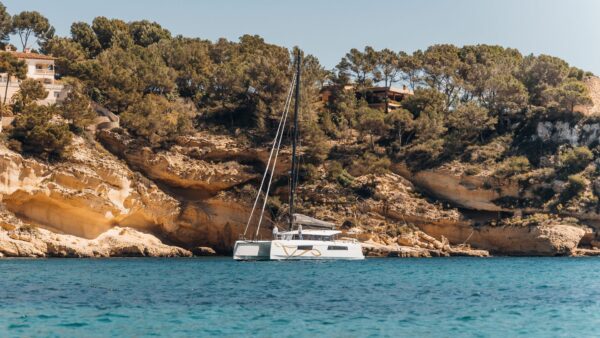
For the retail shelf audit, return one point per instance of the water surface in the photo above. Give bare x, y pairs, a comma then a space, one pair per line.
469, 297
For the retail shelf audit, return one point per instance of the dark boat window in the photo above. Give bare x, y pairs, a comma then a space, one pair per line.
337, 247
305, 247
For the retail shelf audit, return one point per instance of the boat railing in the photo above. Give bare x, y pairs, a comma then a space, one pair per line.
241, 237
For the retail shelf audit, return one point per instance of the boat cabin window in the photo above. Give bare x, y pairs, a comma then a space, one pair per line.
337, 247
313, 237
305, 247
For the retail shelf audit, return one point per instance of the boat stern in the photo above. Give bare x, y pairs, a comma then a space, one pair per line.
251, 250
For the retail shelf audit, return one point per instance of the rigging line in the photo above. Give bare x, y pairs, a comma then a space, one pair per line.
279, 130
286, 113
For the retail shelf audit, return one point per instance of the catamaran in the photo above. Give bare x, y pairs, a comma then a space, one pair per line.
306, 238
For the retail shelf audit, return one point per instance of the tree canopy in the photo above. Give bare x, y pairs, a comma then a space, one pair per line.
12, 67
27, 24
6, 24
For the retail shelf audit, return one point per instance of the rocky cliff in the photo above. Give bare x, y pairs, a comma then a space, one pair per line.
199, 191
85, 196
116, 196
94, 191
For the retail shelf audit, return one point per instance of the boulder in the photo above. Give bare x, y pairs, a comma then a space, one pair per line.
203, 251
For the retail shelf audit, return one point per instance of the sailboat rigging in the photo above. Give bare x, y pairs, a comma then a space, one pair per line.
318, 239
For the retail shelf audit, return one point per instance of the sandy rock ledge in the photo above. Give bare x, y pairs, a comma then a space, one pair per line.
27, 241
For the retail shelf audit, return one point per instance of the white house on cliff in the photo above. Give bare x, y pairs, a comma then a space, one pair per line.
39, 67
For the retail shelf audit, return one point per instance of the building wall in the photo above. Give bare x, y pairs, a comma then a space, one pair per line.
46, 73
41, 70
56, 92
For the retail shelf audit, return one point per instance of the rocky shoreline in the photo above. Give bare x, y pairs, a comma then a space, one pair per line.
116, 242
32, 242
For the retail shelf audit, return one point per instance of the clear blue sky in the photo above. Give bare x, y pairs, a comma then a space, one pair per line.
327, 28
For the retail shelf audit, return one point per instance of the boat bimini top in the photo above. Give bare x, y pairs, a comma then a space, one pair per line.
311, 232
312, 222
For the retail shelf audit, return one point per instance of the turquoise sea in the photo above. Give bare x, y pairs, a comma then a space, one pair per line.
208, 297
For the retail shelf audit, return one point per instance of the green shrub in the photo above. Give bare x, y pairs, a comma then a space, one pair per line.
336, 172
489, 152
575, 160
158, 120
334, 169
345, 179
308, 173
513, 165
76, 108
30, 90
370, 163
37, 133
425, 154
576, 184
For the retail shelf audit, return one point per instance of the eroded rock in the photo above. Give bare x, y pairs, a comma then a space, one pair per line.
27, 241
540, 240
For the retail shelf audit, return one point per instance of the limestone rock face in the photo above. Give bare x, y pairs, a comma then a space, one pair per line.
194, 168
191, 203
85, 196
373, 249
566, 132
397, 201
543, 240
26, 241
202, 172
471, 192
124, 242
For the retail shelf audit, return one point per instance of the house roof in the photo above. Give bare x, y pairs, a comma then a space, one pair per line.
35, 56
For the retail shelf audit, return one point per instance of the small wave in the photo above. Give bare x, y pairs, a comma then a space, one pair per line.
18, 326
46, 316
74, 324
113, 315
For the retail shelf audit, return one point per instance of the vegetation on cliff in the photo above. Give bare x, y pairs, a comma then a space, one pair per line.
477, 108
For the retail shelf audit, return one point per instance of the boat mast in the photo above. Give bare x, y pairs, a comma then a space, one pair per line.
295, 139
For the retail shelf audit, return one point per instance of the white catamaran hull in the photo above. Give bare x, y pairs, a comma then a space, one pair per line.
297, 250
315, 250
